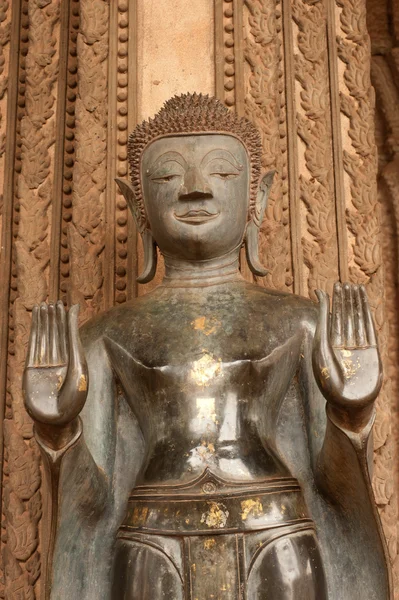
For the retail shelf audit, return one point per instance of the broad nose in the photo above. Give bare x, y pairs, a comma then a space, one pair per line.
195, 186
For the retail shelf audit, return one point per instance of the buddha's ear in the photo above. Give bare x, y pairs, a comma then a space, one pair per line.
149, 245
253, 227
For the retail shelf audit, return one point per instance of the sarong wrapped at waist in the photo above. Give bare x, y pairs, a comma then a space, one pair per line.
210, 505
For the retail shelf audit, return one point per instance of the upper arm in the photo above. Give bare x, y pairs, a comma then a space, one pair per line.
312, 399
110, 428
99, 414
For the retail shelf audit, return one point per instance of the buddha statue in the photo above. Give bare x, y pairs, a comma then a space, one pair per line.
210, 439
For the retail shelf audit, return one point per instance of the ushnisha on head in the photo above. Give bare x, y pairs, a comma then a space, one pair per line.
196, 189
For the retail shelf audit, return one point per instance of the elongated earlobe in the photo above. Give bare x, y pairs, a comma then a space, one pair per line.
150, 257
253, 227
252, 250
149, 245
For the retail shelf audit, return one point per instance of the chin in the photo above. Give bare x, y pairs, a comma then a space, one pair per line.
196, 248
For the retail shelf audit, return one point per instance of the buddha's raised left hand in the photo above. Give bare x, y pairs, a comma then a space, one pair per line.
346, 360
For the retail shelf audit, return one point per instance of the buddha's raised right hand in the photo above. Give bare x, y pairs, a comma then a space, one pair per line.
55, 379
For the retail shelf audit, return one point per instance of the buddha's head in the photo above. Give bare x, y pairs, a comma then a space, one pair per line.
196, 190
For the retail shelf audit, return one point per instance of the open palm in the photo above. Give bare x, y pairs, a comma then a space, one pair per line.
346, 360
55, 377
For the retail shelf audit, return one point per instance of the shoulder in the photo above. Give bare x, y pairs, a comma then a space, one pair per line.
109, 322
288, 307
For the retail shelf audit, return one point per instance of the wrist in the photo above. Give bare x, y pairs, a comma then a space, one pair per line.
353, 419
57, 437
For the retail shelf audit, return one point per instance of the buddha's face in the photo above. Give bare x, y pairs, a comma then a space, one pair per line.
196, 194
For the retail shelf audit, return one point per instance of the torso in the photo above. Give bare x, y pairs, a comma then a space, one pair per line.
205, 371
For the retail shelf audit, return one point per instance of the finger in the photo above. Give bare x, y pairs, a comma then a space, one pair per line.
73, 333
54, 357
360, 333
44, 334
349, 332
31, 355
368, 319
336, 321
74, 391
62, 331
76, 355
324, 320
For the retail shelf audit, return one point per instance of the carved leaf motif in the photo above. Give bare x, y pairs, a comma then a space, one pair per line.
17, 584
22, 532
86, 271
92, 143
5, 33
22, 421
24, 473
33, 213
381, 430
316, 184
32, 284
33, 185
86, 234
357, 104
33, 567
94, 16
36, 158
22, 320
264, 106
88, 211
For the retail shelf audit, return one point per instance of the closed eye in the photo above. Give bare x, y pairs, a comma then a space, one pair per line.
224, 175
165, 178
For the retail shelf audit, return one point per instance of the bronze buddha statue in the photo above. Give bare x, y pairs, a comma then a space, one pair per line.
187, 436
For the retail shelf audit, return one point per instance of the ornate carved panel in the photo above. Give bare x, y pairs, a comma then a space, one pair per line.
384, 32
71, 88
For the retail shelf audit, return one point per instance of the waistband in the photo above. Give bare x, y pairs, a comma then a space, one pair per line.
211, 505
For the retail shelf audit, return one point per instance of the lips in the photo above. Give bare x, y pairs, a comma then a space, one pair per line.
197, 216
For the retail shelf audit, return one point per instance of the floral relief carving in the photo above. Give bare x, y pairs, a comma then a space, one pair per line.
86, 232
316, 182
22, 477
264, 107
363, 221
384, 76
5, 25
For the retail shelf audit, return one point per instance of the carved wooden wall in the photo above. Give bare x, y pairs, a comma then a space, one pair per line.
70, 92
383, 24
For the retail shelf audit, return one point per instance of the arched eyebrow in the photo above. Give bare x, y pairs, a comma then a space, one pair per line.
221, 153
170, 156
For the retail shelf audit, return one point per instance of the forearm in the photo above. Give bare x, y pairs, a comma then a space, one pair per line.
342, 471
71, 468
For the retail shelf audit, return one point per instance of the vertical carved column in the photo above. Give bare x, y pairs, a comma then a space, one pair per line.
384, 32
5, 26
38, 67
7, 126
6, 143
360, 164
263, 78
101, 236
249, 79
86, 235
126, 118
316, 178
61, 272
